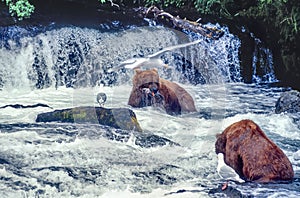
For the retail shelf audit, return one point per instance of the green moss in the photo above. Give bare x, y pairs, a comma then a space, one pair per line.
80, 115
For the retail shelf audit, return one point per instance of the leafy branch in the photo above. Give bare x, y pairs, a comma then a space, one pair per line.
19, 8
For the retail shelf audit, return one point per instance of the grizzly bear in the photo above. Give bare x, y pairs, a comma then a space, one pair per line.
252, 154
151, 90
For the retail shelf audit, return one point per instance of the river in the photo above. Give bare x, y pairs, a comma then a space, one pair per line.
173, 157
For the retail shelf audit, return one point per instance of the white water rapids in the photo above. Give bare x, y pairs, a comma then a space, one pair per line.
84, 160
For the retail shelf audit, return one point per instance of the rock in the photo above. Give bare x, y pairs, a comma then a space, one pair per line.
145, 140
228, 192
120, 118
288, 102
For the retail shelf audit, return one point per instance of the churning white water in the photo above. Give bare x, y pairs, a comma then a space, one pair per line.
81, 160
174, 155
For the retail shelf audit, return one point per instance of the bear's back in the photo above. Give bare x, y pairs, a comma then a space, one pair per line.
185, 100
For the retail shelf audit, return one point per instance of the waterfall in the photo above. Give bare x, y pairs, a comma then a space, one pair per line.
262, 63
41, 57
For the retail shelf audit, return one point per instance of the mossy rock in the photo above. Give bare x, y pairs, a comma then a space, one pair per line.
120, 118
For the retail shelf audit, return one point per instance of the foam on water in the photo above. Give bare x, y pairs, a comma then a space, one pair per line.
70, 160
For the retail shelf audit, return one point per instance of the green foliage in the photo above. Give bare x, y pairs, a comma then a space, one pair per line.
216, 7
19, 8
282, 14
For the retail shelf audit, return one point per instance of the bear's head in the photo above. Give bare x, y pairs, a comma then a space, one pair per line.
220, 144
142, 78
147, 84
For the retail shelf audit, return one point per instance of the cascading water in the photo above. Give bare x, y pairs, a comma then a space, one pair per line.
79, 57
262, 63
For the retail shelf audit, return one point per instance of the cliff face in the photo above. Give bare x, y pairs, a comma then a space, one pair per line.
276, 23
277, 34
286, 51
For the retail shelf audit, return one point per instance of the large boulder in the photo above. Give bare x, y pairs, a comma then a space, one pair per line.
120, 118
288, 102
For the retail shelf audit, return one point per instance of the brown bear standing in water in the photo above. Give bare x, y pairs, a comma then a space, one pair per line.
151, 90
252, 154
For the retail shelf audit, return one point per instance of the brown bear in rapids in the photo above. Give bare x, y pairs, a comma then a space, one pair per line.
252, 154
151, 90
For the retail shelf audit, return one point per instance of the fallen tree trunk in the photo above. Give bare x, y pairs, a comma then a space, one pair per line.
120, 118
183, 24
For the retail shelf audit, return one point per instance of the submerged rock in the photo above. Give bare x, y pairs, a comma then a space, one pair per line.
151, 140
288, 102
228, 192
120, 118
143, 140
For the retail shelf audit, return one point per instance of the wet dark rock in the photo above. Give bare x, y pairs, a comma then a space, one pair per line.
20, 106
79, 173
3, 161
144, 140
228, 192
288, 102
116, 135
182, 191
120, 118
151, 140
158, 177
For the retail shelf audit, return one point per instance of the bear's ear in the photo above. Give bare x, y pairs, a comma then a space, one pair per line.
155, 70
137, 71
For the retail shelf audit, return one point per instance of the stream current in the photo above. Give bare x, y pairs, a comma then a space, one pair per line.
174, 156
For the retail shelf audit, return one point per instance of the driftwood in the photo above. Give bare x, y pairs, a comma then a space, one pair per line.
183, 24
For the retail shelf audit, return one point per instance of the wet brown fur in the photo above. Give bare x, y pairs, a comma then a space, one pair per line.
252, 154
177, 99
